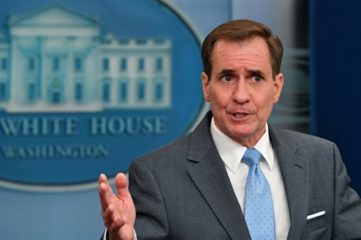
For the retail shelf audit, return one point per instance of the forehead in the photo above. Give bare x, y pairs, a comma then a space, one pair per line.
252, 53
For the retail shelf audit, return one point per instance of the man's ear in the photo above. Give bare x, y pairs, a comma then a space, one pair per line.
205, 85
278, 86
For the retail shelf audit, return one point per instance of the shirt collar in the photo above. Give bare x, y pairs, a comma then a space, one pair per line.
232, 152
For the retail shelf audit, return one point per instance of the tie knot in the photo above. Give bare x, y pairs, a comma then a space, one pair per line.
251, 157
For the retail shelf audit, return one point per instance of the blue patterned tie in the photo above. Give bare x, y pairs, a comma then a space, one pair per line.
258, 200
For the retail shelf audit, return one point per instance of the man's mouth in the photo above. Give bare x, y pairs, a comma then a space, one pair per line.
240, 115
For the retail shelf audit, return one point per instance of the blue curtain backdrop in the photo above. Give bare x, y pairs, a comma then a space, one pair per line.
335, 75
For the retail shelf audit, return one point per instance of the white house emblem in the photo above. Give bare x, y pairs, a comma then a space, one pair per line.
66, 65
80, 95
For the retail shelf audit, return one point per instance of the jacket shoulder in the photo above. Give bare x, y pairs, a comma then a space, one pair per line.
299, 139
177, 149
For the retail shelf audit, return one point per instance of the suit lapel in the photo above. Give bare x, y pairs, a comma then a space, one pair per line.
208, 173
294, 170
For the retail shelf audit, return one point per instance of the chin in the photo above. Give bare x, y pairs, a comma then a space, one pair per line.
243, 132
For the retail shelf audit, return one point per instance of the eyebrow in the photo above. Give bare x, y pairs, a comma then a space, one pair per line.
226, 71
251, 72
256, 73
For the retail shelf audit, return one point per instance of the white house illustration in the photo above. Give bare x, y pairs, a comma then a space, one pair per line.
56, 60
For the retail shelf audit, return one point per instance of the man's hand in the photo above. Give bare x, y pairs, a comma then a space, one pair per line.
118, 210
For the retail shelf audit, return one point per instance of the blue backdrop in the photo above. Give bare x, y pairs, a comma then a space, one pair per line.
335, 42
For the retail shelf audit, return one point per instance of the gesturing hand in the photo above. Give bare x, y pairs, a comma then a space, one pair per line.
118, 209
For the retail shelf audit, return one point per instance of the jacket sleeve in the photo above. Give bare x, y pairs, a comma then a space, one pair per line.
347, 218
151, 221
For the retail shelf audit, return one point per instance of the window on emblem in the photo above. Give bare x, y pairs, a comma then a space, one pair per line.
123, 64
31, 91
105, 64
31, 64
123, 92
56, 64
78, 92
78, 64
141, 64
141, 91
106, 92
2, 91
4, 64
159, 64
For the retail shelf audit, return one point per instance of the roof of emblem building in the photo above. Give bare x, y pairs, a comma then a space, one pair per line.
53, 15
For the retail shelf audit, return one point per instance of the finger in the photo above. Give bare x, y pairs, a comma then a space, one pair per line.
105, 192
102, 178
109, 215
121, 184
112, 219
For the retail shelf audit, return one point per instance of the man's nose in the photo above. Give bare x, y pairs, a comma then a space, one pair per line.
241, 91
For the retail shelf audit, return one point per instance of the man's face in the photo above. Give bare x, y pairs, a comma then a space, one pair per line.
241, 89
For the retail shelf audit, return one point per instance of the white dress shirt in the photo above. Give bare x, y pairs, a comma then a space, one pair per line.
232, 152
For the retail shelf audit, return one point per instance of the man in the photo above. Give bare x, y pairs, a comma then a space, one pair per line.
200, 186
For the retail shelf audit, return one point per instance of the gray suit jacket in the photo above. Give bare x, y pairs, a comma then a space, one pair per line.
182, 191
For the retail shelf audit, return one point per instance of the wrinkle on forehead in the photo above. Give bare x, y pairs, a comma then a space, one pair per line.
253, 54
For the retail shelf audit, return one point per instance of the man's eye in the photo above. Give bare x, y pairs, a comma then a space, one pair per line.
257, 78
227, 77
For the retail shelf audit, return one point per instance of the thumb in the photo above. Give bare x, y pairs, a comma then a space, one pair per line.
121, 184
